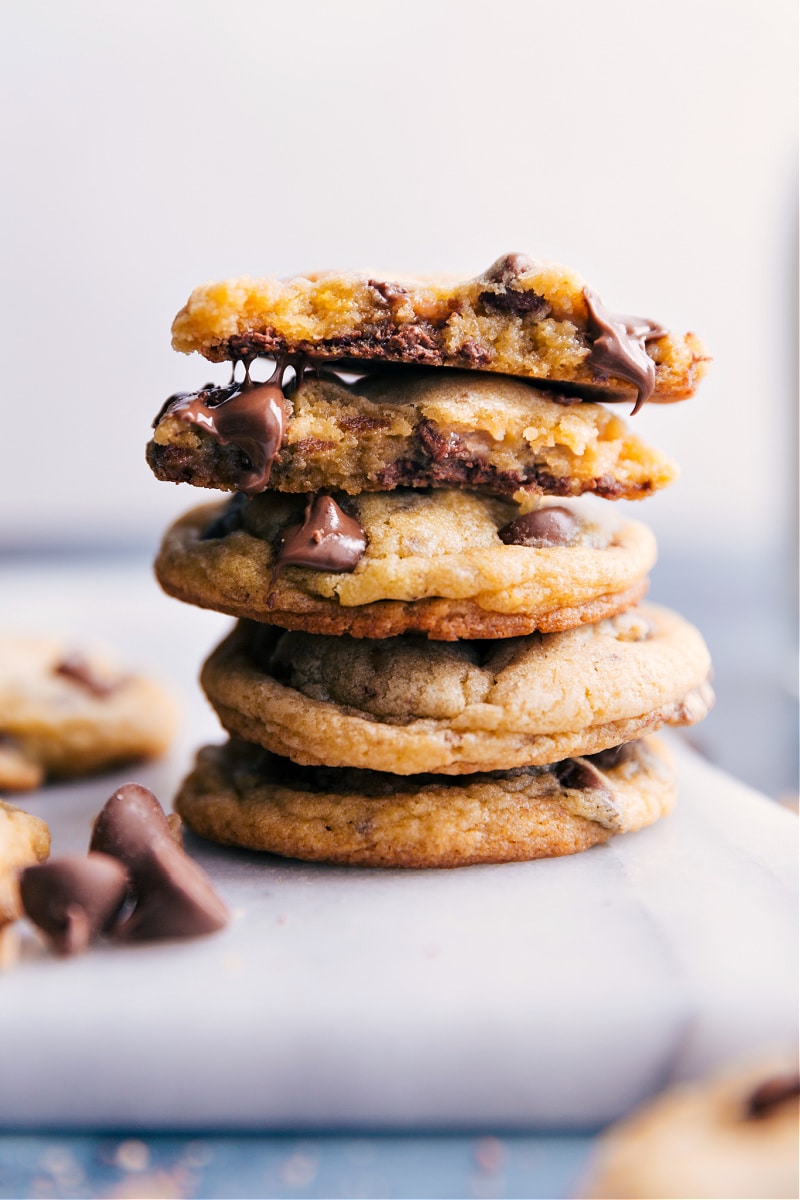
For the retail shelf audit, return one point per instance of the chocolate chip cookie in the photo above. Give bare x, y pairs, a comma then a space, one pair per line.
241, 795
409, 706
403, 429
520, 317
24, 839
445, 563
65, 713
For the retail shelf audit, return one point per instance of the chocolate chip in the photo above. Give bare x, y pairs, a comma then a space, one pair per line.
417, 341
549, 526
73, 899
772, 1094
438, 446
80, 671
474, 355
327, 539
578, 775
127, 824
391, 292
509, 267
511, 302
172, 896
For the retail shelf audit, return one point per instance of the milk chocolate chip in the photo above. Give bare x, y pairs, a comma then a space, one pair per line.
509, 267
326, 539
512, 301
548, 526
73, 899
174, 898
128, 824
578, 775
172, 895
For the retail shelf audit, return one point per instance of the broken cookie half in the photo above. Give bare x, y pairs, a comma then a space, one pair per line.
520, 317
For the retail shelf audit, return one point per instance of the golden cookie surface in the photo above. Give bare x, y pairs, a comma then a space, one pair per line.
520, 317
240, 795
24, 839
407, 705
434, 564
413, 428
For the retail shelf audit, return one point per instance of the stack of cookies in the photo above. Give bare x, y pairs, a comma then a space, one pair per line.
438, 661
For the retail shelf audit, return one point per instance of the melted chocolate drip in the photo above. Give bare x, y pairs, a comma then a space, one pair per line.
618, 346
326, 539
250, 416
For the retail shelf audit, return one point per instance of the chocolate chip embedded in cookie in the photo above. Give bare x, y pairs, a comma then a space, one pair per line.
65, 714
24, 839
408, 706
241, 795
406, 428
520, 317
445, 563
708, 1138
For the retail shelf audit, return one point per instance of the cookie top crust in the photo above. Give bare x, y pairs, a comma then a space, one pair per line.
436, 562
401, 428
408, 706
66, 713
520, 317
241, 795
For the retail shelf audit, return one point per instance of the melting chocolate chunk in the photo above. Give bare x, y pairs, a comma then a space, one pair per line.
229, 520
618, 346
172, 895
326, 539
552, 525
772, 1094
76, 668
250, 416
577, 775
74, 899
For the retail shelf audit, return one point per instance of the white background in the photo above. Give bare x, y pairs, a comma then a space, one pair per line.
152, 146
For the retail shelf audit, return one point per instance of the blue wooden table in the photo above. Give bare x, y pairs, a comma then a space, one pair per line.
264, 1166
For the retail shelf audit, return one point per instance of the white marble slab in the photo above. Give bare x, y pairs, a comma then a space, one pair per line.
541, 995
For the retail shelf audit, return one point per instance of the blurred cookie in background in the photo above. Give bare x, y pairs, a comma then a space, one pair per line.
66, 713
734, 1136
